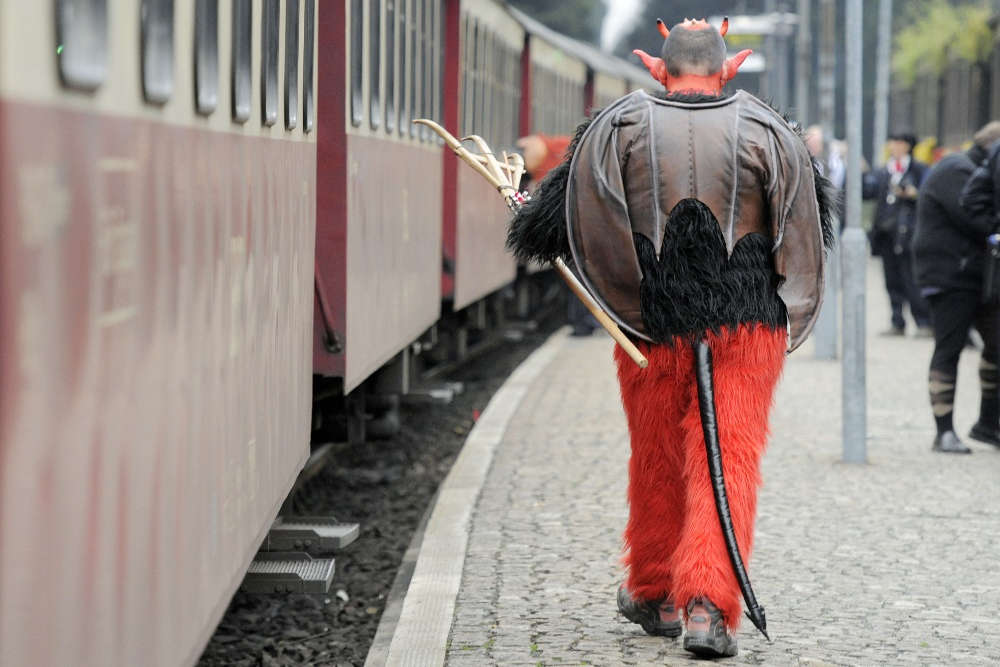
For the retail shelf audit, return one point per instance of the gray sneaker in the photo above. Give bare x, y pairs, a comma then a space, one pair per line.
707, 636
949, 443
662, 620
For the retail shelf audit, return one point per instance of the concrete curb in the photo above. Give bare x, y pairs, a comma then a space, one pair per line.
421, 635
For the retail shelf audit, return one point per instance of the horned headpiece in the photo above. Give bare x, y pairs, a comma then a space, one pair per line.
693, 48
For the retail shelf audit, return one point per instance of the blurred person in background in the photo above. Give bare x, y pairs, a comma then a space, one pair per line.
949, 257
831, 162
894, 189
542, 153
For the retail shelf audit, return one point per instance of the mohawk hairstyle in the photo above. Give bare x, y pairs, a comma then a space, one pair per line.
693, 51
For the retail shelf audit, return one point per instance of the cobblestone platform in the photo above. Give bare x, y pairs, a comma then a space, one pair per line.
892, 562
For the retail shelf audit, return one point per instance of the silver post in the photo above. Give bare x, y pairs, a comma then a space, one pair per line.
804, 64
882, 63
824, 334
854, 254
769, 81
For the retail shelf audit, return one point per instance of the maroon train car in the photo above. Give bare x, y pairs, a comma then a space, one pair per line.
410, 243
378, 243
157, 226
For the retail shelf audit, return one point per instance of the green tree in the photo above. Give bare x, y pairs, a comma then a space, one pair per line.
937, 33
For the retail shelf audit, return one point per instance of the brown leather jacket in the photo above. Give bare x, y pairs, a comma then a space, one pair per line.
643, 154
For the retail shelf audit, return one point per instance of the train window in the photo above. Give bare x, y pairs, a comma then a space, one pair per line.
499, 66
206, 56
416, 16
486, 120
390, 65
292, 64
427, 106
357, 39
438, 65
269, 62
157, 25
476, 76
82, 42
429, 66
308, 27
375, 61
404, 85
242, 71
466, 49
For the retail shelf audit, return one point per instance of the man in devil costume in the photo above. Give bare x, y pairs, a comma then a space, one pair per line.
698, 221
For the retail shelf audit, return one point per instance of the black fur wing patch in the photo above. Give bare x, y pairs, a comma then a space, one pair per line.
693, 287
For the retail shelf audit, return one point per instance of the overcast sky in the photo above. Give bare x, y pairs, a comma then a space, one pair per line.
621, 17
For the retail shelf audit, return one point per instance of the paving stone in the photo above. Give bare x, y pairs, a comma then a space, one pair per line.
891, 562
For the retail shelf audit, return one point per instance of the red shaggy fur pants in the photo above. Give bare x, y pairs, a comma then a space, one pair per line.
673, 542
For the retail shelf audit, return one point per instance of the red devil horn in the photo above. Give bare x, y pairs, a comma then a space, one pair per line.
662, 27
731, 65
656, 66
725, 26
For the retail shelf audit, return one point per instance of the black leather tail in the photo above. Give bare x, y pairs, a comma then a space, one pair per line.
710, 427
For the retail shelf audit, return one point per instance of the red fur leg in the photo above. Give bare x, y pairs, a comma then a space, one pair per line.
654, 400
747, 366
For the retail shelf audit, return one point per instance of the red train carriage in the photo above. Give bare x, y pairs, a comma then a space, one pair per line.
571, 78
378, 244
481, 95
410, 247
157, 180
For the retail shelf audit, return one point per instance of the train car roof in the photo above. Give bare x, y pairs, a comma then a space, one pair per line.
590, 55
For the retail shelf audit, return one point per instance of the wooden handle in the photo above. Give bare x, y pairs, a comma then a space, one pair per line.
595, 309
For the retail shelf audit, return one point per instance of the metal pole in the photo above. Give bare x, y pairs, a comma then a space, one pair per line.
769, 80
782, 32
804, 65
827, 63
825, 331
881, 128
854, 253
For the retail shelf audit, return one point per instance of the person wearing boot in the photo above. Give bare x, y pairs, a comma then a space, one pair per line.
949, 257
699, 221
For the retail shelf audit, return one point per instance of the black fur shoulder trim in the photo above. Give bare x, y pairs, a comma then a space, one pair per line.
538, 230
688, 97
828, 199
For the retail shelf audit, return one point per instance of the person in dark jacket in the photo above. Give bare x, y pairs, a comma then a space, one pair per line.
895, 188
949, 256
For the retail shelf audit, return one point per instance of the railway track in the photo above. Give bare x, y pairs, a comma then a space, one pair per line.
384, 486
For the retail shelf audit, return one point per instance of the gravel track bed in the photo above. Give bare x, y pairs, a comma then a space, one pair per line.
384, 486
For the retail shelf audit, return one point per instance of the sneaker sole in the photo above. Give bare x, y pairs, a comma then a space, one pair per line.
656, 629
706, 646
671, 630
